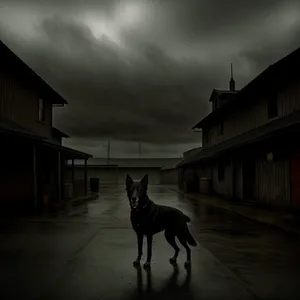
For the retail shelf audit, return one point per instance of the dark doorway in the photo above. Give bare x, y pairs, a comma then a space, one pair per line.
249, 179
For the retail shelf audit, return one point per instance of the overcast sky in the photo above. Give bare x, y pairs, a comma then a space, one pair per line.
143, 70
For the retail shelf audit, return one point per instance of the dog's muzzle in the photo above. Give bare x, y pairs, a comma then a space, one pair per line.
134, 202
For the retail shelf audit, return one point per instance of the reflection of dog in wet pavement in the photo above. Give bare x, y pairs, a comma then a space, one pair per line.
148, 218
170, 288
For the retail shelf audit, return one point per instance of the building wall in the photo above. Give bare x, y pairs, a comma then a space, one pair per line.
239, 180
294, 177
289, 99
191, 152
118, 176
272, 185
16, 176
252, 116
138, 174
169, 176
106, 175
236, 123
223, 187
204, 171
19, 103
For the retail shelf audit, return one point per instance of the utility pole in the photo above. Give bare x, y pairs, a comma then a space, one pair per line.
140, 149
108, 152
232, 82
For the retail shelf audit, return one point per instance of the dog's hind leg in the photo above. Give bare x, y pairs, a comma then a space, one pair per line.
170, 237
182, 240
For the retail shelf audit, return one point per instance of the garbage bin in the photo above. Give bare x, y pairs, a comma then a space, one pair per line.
205, 185
94, 184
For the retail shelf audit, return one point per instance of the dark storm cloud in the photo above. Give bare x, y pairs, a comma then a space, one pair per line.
147, 81
113, 94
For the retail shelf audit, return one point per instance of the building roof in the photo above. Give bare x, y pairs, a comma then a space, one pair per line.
268, 130
134, 162
72, 153
222, 93
8, 126
225, 95
191, 152
23, 71
277, 74
58, 132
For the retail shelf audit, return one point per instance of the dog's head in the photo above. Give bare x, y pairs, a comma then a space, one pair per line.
137, 192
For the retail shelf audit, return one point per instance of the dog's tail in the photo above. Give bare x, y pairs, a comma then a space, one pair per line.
189, 238
187, 219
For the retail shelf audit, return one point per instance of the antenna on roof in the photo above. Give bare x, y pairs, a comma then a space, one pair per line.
108, 151
231, 82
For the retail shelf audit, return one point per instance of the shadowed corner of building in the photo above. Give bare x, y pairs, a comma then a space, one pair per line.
170, 288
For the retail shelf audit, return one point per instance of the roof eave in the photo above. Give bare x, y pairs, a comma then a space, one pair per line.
46, 90
212, 95
75, 153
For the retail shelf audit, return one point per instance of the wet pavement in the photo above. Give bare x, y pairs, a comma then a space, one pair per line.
88, 254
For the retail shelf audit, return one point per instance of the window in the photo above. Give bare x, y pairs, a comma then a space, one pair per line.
221, 172
272, 106
206, 136
221, 128
215, 104
41, 110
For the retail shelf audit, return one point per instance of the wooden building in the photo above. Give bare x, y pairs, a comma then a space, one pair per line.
32, 157
114, 171
250, 139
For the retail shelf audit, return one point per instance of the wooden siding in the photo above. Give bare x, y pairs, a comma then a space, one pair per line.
239, 180
169, 176
16, 176
272, 183
204, 171
6, 95
289, 99
223, 187
19, 103
253, 116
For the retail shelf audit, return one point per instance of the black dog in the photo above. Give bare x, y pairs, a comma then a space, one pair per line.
148, 218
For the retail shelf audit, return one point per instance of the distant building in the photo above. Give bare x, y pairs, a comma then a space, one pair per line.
31, 153
118, 168
250, 145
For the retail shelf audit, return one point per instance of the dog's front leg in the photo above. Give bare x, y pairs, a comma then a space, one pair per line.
140, 238
149, 250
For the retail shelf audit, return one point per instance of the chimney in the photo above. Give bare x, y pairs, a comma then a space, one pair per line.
232, 82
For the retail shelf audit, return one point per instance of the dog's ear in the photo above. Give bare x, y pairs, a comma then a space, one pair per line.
144, 181
129, 181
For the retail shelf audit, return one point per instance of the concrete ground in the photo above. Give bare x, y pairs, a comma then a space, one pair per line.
284, 219
88, 254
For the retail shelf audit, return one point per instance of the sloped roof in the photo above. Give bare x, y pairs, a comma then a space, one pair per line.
10, 127
277, 74
9, 59
14, 128
59, 133
67, 151
222, 93
261, 133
